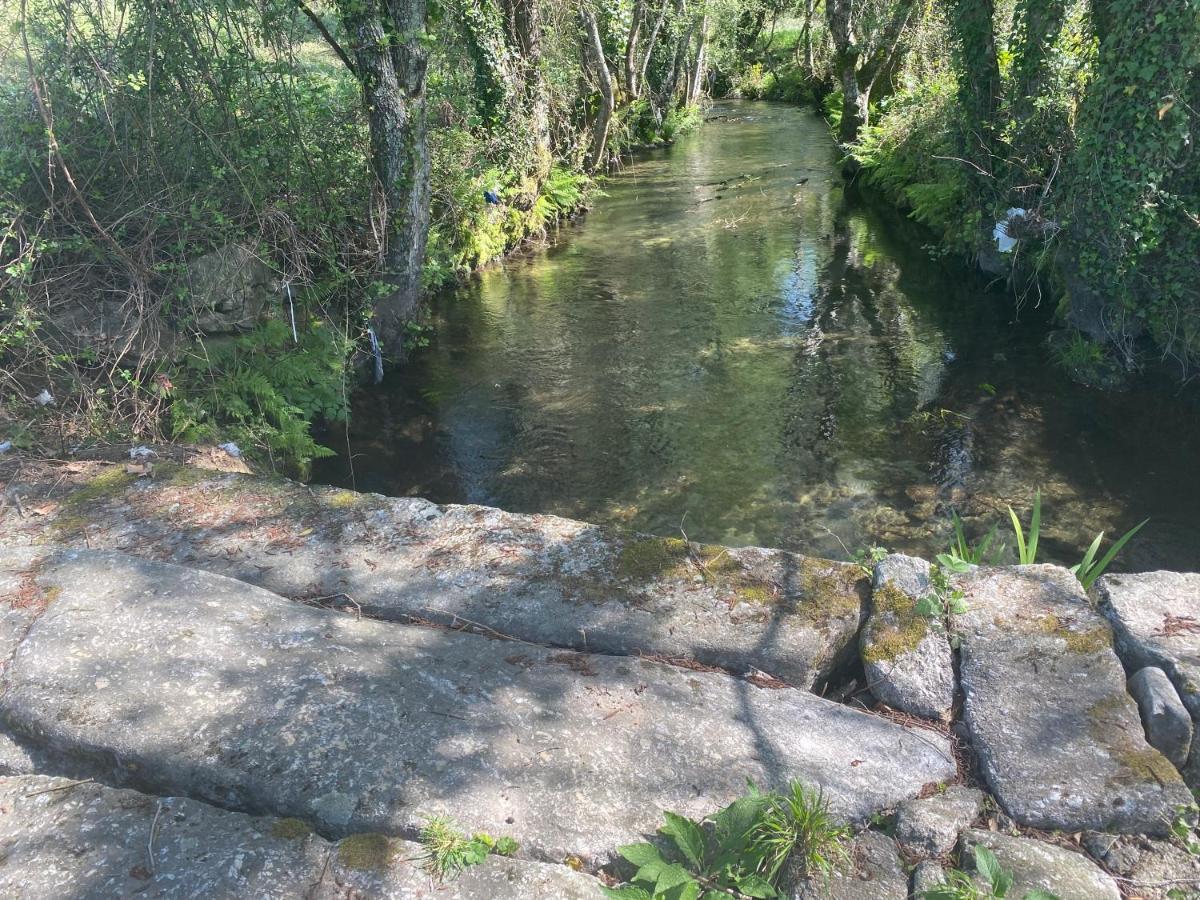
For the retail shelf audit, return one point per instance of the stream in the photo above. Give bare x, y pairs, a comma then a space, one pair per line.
733, 345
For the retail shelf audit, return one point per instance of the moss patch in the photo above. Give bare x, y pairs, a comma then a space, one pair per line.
830, 591
112, 482
341, 499
653, 557
291, 829
1109, 725
1089, 640
897, 628
365, 851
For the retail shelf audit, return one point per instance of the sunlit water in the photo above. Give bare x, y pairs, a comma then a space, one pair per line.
731, 346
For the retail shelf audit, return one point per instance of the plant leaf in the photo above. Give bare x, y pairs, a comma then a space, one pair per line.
754, 885
1020, 533
1035, 526
1039, 894
626, 892
987, 865
669, 876
1108, 557
687, 837
641, 854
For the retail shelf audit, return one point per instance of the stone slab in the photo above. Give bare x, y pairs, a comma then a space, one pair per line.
538, 578
871, 871
906, 658
1166, 720
183, 682
62, 840
1036, 865
930, 827
1059, 740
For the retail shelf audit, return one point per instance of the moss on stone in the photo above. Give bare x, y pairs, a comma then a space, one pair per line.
829, 591
897, 628
1109, 725
341, 499
365, 851
111, 482
1089, 640
291, 829
648, 558
181, 475
756, 593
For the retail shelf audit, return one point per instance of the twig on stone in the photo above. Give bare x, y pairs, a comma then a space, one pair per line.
60, 787
153, 831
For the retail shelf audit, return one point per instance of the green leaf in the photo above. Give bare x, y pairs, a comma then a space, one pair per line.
669, 876
687, 837
734, 822
754, 885
1039, 894
1108, 557
1035, 526
641, 854
626, 892
929, 606
990, 870
1020, 533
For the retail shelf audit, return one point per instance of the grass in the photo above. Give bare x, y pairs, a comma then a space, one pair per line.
1027, 543
448, 850
1089, 569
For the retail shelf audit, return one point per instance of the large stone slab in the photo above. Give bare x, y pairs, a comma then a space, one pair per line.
538, 578
906, 658
183, 682
1059, 740
63, 839
1035, 865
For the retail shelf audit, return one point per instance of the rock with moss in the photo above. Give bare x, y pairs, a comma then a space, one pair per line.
1156, 620
182, 682
65, 839
906, 656
537, 578
1036, 865
1161, 870
1059, 740
1168, 725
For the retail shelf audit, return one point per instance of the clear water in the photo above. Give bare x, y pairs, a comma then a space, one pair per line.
731, 345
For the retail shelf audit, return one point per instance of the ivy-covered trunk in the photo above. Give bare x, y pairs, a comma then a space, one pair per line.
595, 49
857, 65
391, 59
978, 77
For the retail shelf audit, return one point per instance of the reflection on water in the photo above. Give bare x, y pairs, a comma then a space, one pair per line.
730, 345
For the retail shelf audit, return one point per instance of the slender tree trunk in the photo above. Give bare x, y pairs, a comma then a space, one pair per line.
523, 21
631, 49
595, 47
391, 59
857, 72
696, 78
979, 73
1037, 23
809, 12
652, 42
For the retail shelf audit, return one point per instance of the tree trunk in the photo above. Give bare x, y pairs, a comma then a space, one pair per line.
631, 49
979, 73
696, 77
1037, 23
856, 100
595, 47
523, 22
651, 42
856, 71
390, 55
809, 63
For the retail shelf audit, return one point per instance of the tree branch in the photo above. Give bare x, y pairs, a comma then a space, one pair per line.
329, 38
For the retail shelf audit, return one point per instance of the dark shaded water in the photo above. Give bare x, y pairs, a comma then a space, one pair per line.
731, 344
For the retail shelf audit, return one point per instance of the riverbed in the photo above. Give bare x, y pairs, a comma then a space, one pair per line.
734, 345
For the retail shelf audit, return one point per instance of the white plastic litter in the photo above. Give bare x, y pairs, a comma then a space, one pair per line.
232, 449
5, 446
141, 453
45, 398
1005, 241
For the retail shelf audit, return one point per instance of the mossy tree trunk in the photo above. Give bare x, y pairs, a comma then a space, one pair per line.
595, 49
388, 38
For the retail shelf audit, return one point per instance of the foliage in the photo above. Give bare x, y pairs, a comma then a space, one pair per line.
963, 553
1089, 568
993, 882
739, 851
448, 851
944, 599
261, 391
1027, 542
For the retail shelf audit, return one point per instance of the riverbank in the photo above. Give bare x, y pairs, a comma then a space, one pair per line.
546, 694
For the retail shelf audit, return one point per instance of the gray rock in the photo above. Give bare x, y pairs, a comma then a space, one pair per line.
907, 659
182, 682
1058, 738
926, 876
537, 578
872, 871
1165, 718
930, 827
62, 839
1036, 865
229, 289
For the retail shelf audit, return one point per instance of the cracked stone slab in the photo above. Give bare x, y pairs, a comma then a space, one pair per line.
871, 871
1036, 865
1059, 740
63, 839
539, 578
183, 682
907, 660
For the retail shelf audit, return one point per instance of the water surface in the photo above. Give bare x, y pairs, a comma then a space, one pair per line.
734, 346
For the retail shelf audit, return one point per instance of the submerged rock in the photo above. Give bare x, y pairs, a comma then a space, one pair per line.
906, 658
1058, 738
74, 841
182, 682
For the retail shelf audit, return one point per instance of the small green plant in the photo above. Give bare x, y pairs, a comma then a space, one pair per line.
1184, 826
993, 882
1027, 543
448, 851
743, 851
943, 600
866, 557
1088, 569
963, 554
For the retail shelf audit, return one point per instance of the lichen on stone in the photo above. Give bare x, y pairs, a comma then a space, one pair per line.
291, 829
368, 850
1089, 640
1109, 721
896, 628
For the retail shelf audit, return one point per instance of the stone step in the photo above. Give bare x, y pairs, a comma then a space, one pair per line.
537, 578
63, 840
182, 682
1059, 740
